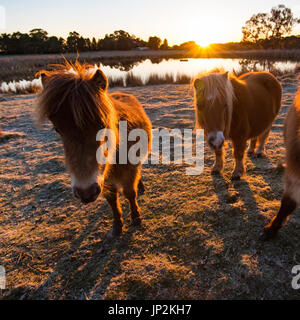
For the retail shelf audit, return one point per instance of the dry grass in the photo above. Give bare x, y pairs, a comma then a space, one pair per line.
200, 238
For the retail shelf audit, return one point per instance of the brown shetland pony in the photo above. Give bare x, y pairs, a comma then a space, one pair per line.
291, 195
76, 101
238, 109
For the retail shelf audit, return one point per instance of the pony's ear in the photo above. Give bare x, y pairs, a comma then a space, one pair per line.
225, 75
99, 79
199, 84
43, 78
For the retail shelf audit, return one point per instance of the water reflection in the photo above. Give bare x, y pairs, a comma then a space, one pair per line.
191, 67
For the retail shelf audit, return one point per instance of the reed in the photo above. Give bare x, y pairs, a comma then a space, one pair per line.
132, 80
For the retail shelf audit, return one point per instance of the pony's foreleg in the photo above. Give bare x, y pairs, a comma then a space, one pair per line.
141, 187
113, 200
239, 148
288, 205
262, 141
252, 146
219, 164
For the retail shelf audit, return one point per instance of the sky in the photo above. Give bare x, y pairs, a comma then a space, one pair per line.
205, 22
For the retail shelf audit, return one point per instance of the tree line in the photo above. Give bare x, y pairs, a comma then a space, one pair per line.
37, 41
262, 30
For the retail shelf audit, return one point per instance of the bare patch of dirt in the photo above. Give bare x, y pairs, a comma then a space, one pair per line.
200, 237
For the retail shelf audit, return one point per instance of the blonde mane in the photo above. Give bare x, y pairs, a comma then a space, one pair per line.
217, 86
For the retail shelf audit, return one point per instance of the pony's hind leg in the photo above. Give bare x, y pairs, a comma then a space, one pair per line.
113, 200
131, 196
251, 149
288, 205
262, 141
130, 192
289, 202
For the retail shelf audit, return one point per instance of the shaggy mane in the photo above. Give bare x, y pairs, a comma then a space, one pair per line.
217, 86
69, 86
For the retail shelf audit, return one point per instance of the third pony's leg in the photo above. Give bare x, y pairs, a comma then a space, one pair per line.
252, 146
288, 205
262, 140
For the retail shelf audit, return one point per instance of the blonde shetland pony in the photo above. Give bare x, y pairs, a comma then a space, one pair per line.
238, 109
76, 101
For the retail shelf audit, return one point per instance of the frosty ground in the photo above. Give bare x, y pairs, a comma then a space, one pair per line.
200, 236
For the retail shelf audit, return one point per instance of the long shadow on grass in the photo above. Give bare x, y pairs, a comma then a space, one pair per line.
242, 191
272, 175
79, 275
239, 236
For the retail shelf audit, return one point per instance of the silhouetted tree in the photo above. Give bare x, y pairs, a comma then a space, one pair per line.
154, 43
189, 45
119, 40
54, 45
282, 21
73, 41
265, 26
94, 44
165, 45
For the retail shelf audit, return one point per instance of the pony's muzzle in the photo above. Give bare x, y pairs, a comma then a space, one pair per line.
216, 140
87, 195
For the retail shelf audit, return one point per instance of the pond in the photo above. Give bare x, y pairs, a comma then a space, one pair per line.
191, 67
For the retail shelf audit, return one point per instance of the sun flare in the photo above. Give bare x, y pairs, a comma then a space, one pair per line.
204, 43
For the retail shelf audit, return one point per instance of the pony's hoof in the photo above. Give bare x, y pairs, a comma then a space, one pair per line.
114, 233
136, 222
268, 234
260, 155
216, 171
250, 153
236, 177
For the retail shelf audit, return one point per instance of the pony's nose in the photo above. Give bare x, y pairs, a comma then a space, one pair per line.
216, 141
87, 195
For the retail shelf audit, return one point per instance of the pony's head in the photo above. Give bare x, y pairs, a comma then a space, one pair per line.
213, 105
75, 100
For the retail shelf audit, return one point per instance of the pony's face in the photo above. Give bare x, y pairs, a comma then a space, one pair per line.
79, 140
212, 112
80, 149
212, 118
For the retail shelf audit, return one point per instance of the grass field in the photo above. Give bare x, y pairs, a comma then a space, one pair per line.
200, 237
